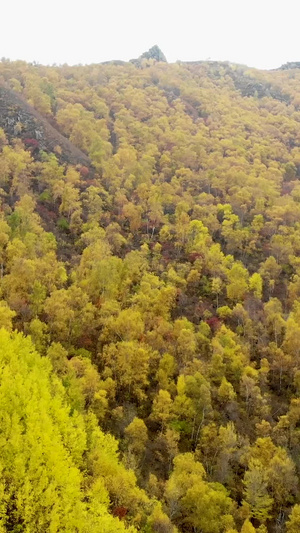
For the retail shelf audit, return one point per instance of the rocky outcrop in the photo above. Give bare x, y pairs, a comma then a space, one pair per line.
153, 53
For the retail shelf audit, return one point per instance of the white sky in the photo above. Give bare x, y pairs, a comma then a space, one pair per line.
258, 33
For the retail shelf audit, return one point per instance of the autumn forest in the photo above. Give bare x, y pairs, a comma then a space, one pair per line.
149, 298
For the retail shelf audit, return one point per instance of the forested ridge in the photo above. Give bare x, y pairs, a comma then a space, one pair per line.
149, 298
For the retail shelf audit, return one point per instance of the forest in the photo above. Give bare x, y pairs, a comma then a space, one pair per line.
149, 298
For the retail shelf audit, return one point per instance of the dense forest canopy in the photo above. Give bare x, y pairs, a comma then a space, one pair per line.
149, 297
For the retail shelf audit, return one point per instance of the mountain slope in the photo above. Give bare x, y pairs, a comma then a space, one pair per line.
154, 260
19, 119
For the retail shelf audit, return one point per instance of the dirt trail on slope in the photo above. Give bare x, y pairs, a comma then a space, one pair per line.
17, 114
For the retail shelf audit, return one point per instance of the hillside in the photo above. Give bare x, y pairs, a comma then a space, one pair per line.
20, 120
149, 246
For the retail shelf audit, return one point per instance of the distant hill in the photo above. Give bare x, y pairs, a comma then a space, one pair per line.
289, 66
